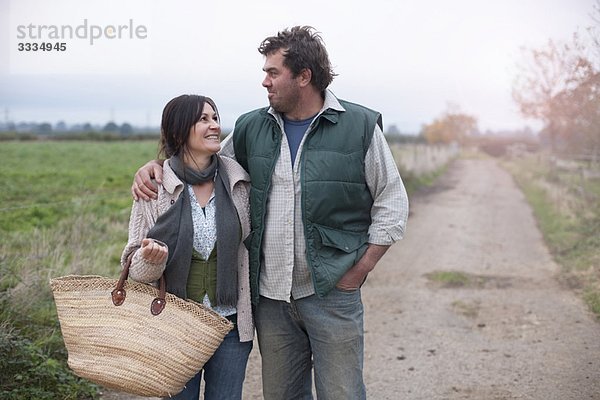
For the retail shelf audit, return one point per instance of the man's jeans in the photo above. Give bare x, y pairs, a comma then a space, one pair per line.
329, 329
224, 373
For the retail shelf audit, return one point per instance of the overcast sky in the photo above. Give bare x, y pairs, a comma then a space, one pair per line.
407, 59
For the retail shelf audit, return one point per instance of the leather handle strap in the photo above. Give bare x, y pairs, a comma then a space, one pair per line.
119, 294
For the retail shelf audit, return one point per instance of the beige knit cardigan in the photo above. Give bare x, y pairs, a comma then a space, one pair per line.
145, 213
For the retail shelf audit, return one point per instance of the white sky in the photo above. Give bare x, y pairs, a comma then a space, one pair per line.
407, 59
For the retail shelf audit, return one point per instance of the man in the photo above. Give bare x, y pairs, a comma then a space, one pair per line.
326, 203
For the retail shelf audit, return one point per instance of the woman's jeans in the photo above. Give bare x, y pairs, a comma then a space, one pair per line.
224, 372
325, 331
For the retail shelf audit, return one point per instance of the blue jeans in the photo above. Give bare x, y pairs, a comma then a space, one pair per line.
224, 372
325, 331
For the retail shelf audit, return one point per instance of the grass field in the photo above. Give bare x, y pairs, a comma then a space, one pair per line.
64, 210
65, 207
46, 182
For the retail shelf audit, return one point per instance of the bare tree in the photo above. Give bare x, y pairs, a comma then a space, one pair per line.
539, 87
559, 84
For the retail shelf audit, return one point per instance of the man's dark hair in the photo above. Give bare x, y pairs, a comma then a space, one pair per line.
303, 48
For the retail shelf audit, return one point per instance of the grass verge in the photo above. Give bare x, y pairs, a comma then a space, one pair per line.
567, 209
65, 208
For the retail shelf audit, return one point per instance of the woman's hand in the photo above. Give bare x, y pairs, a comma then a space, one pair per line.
143, 187
154, 251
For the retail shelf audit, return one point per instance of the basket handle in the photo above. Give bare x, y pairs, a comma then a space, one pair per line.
119, 294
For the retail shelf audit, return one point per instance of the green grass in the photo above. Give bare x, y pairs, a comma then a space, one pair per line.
449, 278
64, 210
592, 297
46, 182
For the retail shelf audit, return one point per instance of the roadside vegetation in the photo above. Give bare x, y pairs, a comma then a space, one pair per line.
558, 84
565, 198
64, 210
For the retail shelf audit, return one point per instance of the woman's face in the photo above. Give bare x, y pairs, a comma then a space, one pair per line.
205, 135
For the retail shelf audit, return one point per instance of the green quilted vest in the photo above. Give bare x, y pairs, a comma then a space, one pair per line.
336, 202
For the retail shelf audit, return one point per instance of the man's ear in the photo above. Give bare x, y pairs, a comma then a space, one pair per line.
305, 77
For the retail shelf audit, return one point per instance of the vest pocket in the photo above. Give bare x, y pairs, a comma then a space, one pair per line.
338, 251
345, 241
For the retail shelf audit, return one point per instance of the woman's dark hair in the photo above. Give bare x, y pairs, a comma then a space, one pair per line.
303, 48
178, 117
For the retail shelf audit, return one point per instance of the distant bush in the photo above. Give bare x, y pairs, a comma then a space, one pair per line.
4, 136
498, 146
104, 136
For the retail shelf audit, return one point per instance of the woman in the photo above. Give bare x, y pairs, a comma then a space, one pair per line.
202, 215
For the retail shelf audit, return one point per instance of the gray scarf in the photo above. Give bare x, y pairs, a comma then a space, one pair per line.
175, 228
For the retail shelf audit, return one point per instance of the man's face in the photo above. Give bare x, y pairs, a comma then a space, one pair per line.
283, 89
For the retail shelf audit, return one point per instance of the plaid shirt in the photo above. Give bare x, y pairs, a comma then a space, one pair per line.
285, 270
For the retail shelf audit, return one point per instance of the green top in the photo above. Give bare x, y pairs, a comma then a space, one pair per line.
202, 279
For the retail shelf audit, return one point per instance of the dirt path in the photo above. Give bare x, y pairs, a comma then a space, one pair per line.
512, 333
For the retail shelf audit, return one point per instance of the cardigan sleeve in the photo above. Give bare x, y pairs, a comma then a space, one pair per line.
143, 217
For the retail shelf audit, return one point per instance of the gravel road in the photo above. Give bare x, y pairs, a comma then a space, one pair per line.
509, 332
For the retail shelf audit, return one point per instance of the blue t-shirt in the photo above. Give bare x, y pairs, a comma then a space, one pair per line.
294, 131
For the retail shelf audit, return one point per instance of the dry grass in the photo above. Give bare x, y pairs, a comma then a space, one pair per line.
84, 244
567, 208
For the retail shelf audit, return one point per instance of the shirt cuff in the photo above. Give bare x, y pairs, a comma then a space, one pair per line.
387, 237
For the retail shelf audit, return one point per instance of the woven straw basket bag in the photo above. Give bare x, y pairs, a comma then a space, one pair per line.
134, 337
